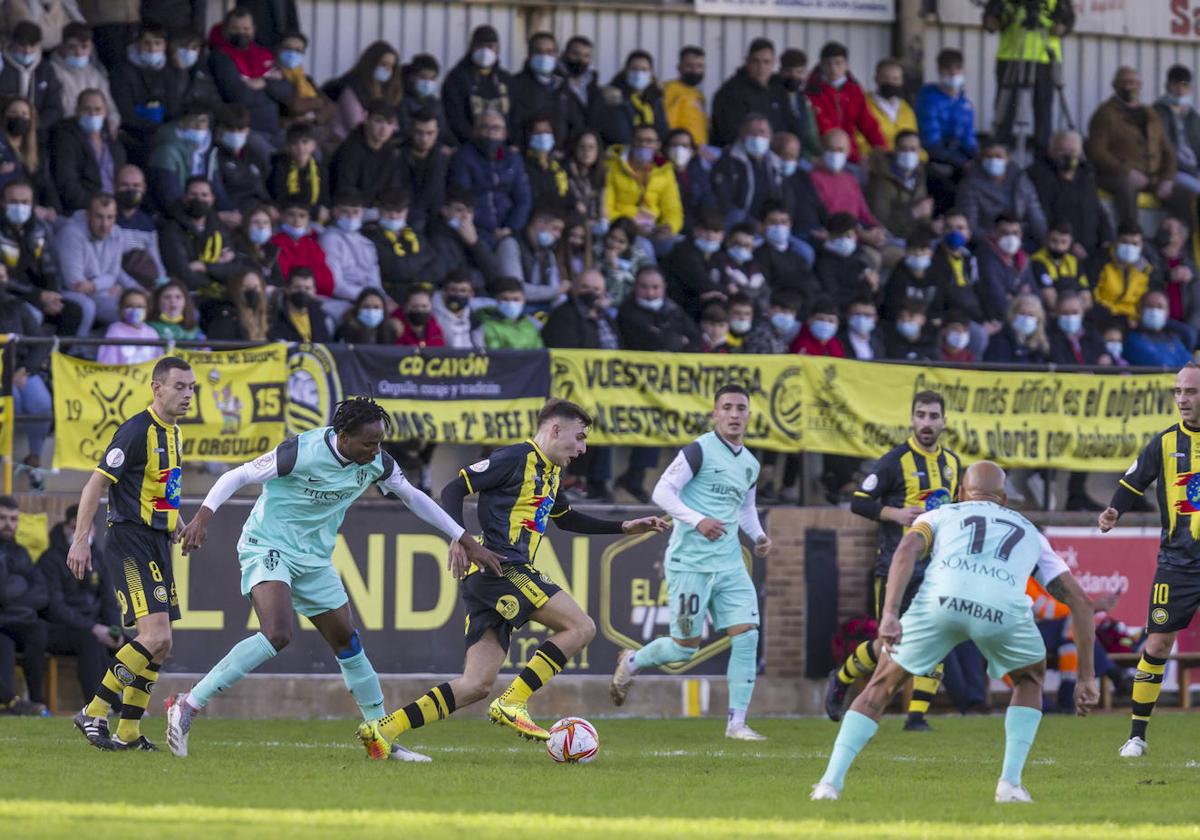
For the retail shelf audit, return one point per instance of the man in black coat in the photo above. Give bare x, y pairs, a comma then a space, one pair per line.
423, 169
538, 91
580, 84
141, 87
22, 596
476, 84
195, 246
693, 268
296, 307
84, 159
369, 160
452, 236
243, 173
1066, 188
32, 268
781, 265
749, 90
82, 617
405, 256
26, 73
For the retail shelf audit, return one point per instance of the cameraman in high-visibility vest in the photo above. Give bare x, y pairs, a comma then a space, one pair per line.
1031, 32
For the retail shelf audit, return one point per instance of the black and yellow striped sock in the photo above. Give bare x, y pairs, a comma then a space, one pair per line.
1147, 683
132, 659
135, 698
924, 689
434, 705
546, 661
859, 664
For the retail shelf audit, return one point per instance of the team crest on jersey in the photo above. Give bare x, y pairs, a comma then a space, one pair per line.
542, 508
160, 592
1159, 616
934, 499
508, 607
361, 476
1191, 501
947, 473
272, 559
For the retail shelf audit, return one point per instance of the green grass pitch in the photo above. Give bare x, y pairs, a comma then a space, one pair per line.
652, 779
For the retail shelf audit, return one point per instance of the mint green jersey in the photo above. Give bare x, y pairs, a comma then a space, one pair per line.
307, 489
710, 479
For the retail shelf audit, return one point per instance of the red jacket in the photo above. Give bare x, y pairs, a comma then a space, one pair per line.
253, 62
434, 337
840, 193
806, 344
305, 251
844, 108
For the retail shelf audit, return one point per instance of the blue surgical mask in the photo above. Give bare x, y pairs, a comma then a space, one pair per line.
1114, 348
543, 65
370, 318
18, 214
779, 235
350, 224
484, 57
843, 246
292, 231
394, 225
1154, 319
198, 137
708, 247
955, 240
260, 235
546, 239
290, 60
918, 264
740, 327
862, 324
641, 154
543, 142
956, 81
652, 305
789, 167
835, 161
783, 322
740, 255
511, 309
187, 58
25, 59
383, 75
909, 329
454, 222
77, 62
757, 146
235, 141
1024, 325
994, 166
91, 123
908, 161
624, 264
134, 315
1128, 253
154, 59
823, 330
958, 339
1070, 324
425, 87
639, 80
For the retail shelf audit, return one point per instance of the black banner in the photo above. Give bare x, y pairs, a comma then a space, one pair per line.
406, 605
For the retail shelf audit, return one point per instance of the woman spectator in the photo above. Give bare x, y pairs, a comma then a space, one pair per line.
367, 322
308, 103
133, 307
374, 76
585, 176
242, 316
18, 144
575, 248
1023, 337
253, 248
172, 313
695, 188
418, 326
619, 258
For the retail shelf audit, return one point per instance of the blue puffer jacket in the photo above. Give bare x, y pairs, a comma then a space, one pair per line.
501, 187
947, 125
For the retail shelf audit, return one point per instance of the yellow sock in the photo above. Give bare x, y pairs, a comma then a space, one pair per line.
434, 705
132, 659
546, 661
134, 700
1147, 683
859, 664
924, 689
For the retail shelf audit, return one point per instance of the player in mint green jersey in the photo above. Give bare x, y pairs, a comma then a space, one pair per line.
709, 490
286, 551
981, 557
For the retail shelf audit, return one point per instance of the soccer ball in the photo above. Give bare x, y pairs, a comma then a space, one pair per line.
573, 740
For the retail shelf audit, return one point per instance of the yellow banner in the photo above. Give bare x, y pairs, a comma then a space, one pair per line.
803, 403
236, 414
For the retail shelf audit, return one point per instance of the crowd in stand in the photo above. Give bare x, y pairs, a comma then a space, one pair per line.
175, 183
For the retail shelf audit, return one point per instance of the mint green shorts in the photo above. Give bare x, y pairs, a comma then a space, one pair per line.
315, 589
934, 625
728, 597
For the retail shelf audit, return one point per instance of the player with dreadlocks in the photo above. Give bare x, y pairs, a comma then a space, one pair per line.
286, 551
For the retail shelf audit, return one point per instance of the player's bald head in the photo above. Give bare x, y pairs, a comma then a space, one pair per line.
983, 482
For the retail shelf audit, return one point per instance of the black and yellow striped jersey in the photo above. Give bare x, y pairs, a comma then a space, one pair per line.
1172, 458
144, 463
904, 477
518, 495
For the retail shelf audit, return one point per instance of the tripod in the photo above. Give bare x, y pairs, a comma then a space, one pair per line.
1015, 95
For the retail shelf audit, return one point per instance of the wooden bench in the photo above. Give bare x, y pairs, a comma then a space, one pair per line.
1184, 661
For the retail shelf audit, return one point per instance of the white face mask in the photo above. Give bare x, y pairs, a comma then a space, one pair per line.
955, 82
834, 161
1009, 244
958, 339
483, 57
908, 161
681, 156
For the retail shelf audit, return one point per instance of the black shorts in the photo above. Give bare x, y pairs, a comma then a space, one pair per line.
139, 560
881, 594
1174, 599
504, 603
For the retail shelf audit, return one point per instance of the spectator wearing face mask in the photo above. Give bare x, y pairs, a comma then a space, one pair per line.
748, 173
421, 102
245, 72
1023, 337
781, 264
743, 324
366, 322
456, 243
740, 273
243, 314
419, 326
955, 272
533, 255
495, 172
538, 91
299, 247
132, 214
476, 84
630, 101
189, 80
133, 307
1173, 262
1056, 270
404, 255
946, 119
818, 336
619, 258
1125, 278
196, 246
352, 257
684, 102
298, 316
298, 176
799, 196
640, 185
910, 337
887, 105
185, 150
583, 90
692, 267
368, 162
142, 90
77, 71
839, 190
695, 183
1150, 343
840, 103
253, 248
376, 75
243, 174
800, 119
896, 191
27, 75
955, 340
912, 282
844, 273
993, 186
505, 326
1114, 346
860, 335
548, 181
1066, 187
32, 268
1003, 268
308, 103
454, 306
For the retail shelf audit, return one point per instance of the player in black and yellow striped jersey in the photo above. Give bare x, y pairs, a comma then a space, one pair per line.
918, 475
1172, 458
518, 488
142, 471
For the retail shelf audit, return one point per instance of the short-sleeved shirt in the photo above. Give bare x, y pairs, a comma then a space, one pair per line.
144, 462
984, 553
1172, 458
518, 495
908, 476
301, 509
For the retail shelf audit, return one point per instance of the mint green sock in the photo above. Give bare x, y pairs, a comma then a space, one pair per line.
742, 669
662, 651
242, 658
1020, 728
363, 684
857, 729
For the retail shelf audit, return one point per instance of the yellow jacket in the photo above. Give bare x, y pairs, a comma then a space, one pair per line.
906, 118
1120, 288
686, 107
626, 195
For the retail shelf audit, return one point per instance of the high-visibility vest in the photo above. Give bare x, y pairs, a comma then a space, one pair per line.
1035, 41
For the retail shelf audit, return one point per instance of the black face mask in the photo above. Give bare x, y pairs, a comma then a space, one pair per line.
196, 208
455, 303
575, 67
792, 84
128, 199
239, 41
890, 91
298, 300
692, 79
1127, 96
417, 319
17, 126
589, 299
1066, 163
252, 298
